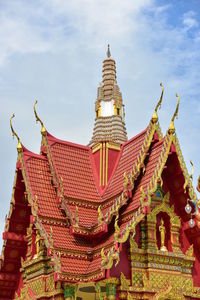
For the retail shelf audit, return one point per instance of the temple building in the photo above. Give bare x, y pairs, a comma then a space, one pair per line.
116, 219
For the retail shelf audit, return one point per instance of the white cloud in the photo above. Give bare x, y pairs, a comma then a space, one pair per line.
189, 20
18, 37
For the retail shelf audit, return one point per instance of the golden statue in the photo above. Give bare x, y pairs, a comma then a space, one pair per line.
162, 236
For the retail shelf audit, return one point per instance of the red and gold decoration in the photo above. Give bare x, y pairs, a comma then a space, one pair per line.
117, 219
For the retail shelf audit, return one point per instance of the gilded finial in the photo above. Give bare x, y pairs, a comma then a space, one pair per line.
108, 51
125, 184
155, 115
117, 229
175, 115
143, 196
76, 217
35, 212
14, 134
100, 215
191, 176
51, 237
61, 188
198, 184
43, 130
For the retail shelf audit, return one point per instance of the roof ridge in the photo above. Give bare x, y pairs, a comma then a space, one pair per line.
75, 145
135, 137
31, 154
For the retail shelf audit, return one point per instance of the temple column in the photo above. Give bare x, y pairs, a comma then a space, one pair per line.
111, 284
111, 291
175, 233
69, 292
148, 234
111, 287
143, 231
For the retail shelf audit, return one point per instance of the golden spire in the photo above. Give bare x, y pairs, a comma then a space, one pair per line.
155, 115
14, 134
175, 115
43, 130
108, 52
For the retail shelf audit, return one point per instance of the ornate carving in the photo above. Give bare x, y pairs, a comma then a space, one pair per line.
163, 292
190, 251
35, 207
51, 242
76, 217
124, 282
107, 260
100, 215
198, 184
125, 184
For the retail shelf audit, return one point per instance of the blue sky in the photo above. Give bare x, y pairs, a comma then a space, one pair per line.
52, 50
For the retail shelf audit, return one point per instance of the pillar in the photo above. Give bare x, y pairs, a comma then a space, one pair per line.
111, 291
69, 292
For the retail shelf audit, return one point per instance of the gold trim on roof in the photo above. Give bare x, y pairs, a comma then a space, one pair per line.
113, 253
152, 186
188, 182
34, 209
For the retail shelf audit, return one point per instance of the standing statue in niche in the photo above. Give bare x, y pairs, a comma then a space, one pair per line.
162, 235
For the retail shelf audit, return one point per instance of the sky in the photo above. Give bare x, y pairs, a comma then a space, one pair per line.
52, 51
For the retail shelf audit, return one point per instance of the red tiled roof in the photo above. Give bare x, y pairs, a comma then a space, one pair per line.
88, 216
64, 240
39, 175
130, 151
73, 163
77, 266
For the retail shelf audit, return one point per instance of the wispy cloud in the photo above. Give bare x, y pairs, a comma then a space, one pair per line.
189, 20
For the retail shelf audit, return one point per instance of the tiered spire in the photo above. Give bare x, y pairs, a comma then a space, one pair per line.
109, 124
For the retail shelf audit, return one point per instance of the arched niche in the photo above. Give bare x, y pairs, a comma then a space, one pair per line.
153, 219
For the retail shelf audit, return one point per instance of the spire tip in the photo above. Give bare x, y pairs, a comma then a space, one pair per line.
108, 51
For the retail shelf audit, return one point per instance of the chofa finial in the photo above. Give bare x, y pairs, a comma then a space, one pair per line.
155, 115
177, 108
198, 184
43, 130
108, 51
175, 115
191, 176
14, 134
